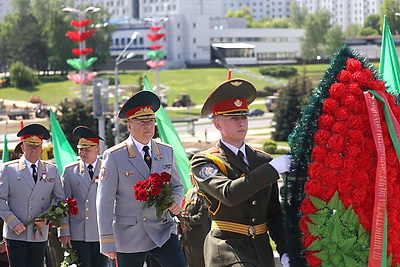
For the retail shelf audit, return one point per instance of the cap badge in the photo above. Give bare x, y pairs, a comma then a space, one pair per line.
145, 110
236, 83
238, 103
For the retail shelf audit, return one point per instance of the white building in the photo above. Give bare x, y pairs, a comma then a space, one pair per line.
344, 12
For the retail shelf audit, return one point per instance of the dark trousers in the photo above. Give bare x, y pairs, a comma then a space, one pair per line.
170, 254
89, 254
26, 254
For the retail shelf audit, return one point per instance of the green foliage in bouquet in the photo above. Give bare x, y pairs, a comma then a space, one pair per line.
341, 237
70, 258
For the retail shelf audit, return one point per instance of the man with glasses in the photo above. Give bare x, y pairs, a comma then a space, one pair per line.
80, 180
28, 186
128, 231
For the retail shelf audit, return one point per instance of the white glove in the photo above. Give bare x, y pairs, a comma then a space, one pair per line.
285, 260
281, 164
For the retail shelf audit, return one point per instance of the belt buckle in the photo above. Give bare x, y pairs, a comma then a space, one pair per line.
252, 230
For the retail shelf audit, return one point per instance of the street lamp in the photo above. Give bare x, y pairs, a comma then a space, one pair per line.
122, 57
81, 16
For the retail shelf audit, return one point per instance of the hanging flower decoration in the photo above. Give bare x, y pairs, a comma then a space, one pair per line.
156, 36
79, 52
79, 64
155, 47
155, 29
345, 148
155, 54
82, 78
78, 36
80, 23
154, 64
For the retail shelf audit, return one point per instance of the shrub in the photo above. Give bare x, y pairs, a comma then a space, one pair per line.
270, 146
278, 71
22, 76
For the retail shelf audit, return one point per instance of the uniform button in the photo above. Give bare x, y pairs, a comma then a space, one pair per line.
30, 208
254, 202
144, 218
42, 198
30, 198
30, 217
87, 209
87, 218
87, 200
253, 220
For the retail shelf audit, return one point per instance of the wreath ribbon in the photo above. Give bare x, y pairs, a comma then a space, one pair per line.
378, 243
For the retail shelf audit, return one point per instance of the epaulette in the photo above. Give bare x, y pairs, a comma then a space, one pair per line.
11, 162
117, 146
261, 151
50, 163
71, 164
211, 150
162, 143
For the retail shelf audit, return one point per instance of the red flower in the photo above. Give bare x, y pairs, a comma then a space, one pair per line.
72, 206
345, 76
141, 194
319, 153
321, 136
308, 239
307, 207
353, 65
312, 260
330, 106
303, 223
165, 177
155, 191
337, 90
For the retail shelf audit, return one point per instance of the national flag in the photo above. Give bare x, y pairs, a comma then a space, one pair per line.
169, 135
389, 63
63, 152
5, 157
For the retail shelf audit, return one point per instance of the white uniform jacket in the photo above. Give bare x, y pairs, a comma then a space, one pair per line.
21, 199
78, 184
124, 224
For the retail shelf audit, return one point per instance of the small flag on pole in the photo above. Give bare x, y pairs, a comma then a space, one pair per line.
5, 157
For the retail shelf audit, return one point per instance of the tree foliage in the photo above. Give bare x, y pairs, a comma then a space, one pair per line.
334, 40
298, 15
289, 104
389, 8
314, 42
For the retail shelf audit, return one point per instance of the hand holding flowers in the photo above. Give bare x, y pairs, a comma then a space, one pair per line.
156, 191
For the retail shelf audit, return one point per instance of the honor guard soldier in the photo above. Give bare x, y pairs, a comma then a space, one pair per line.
128, 231
27, 188
240, 185
80, 181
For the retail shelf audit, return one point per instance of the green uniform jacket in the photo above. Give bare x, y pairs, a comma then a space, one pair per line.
246, 195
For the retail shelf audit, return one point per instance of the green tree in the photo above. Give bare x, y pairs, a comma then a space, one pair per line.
352, 30
367, 32
390, 8
374, 21
314, 42
334, 40
298, 15
276, 23
291, 100
243, 12
21, 39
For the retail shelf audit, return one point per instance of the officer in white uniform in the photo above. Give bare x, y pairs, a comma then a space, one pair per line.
27, 187
80, 180
128, 231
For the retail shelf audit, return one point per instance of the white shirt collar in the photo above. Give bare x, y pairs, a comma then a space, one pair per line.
140, 146
235, 150
93, 164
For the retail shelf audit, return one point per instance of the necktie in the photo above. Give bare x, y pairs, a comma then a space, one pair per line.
34, 172
147, 157
241, 157
90, 167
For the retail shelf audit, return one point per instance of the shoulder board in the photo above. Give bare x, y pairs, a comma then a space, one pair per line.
50, 163
71, 164
261, 151
11, 162
211, 150
162, 144
117, 146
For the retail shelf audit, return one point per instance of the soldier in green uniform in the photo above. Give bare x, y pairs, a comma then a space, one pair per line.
239, 183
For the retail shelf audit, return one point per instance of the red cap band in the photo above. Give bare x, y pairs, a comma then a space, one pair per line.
231, 105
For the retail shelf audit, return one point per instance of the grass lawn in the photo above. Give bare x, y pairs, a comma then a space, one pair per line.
198, 83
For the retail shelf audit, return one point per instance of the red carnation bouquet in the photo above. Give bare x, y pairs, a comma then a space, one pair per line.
156, 191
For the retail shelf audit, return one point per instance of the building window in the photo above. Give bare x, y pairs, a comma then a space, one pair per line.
194, 55
194, 40
194, 25
116, 42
